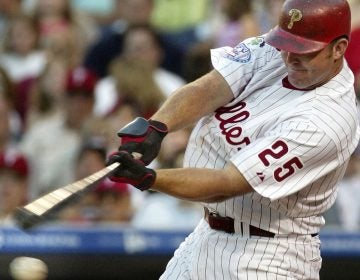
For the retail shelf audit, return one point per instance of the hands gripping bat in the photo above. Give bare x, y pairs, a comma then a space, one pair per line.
43, 208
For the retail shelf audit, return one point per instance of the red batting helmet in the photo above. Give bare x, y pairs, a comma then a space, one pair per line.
309, 26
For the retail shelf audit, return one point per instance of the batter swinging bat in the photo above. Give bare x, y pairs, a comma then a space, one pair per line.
41, 209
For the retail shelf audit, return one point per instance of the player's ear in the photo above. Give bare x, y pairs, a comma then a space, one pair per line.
339, 47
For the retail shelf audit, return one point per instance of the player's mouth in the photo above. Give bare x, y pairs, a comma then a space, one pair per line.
296, 70
297, 73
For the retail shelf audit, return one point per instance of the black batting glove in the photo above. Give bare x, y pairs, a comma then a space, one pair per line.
131, 171
143, 137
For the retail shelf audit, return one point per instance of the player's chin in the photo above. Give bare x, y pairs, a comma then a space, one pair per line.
300, 82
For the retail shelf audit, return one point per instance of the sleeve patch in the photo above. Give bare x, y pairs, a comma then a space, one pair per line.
241, 53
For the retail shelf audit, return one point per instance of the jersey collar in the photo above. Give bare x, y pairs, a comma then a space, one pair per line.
287, 84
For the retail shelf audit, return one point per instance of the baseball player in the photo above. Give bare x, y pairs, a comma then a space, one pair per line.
276, 125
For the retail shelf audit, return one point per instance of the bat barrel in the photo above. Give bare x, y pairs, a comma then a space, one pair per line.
25, 218
44, 208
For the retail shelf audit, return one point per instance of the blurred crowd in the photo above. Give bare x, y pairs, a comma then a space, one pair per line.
72, 73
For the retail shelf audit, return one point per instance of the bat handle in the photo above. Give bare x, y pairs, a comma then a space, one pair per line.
113, 166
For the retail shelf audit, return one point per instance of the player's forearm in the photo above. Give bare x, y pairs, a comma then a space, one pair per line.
200, 184
193, 101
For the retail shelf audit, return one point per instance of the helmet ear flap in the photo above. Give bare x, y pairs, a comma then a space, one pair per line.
309, 26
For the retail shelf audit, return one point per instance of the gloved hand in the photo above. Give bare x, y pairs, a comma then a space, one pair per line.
131, 171
143, 137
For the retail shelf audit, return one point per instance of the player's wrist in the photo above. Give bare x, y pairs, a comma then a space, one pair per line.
160, 127
132, 171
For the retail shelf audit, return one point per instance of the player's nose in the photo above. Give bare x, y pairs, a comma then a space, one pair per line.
290, 58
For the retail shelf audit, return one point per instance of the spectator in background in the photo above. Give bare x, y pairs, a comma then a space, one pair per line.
239, 23
196, 61
232, 21
115, 202
52, 144
171, 213
128, 12
90, 159
7, 96
7, 142
14, 171
142, 43
142, 52
136, 86
347, 203
64, 31
47, 96
23, 60
179, 22
8, 10
22, 57
102, 12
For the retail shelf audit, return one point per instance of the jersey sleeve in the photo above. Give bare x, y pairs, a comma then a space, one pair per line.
237, 65
290, 157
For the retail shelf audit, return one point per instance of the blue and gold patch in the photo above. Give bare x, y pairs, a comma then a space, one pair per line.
241, 53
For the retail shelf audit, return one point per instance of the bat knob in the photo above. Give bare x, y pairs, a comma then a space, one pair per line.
25, 218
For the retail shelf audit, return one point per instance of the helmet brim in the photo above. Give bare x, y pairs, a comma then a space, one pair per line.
283, 40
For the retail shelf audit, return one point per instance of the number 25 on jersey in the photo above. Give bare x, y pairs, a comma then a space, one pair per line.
277, 151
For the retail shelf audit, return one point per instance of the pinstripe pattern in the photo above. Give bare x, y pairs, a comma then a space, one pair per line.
319, 129
208, 254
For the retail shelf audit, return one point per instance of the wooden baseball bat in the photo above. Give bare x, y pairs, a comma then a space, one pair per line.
42, 209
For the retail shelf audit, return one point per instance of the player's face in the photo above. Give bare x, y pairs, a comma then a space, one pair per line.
306, 71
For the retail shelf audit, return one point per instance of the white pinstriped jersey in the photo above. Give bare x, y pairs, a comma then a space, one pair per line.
291, 145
